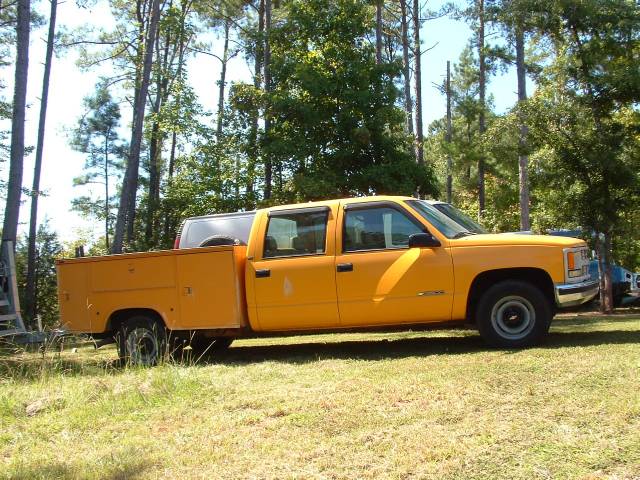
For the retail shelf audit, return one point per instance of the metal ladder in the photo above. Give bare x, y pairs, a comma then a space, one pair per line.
11, 323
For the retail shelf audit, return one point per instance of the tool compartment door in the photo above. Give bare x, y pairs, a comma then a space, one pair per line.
73, 296
209, 289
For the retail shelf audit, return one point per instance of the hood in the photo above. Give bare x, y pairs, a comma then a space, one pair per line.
515, 239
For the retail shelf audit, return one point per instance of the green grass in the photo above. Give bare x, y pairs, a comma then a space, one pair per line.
361, 406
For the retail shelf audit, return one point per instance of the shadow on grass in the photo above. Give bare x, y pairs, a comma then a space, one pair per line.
20, 368
420, 346
582, 320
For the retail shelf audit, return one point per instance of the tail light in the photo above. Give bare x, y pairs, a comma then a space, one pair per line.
176, 243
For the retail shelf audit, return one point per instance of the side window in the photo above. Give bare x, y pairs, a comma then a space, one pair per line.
301, 233
377, 228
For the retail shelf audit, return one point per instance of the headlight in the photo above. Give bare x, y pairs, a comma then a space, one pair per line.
576, 263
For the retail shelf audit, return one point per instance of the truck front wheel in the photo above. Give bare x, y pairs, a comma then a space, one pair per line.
142, 341
513, 314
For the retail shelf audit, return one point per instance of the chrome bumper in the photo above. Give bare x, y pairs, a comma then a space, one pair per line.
572, 294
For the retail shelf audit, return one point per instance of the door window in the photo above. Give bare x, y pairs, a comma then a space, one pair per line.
299, 233
377, 228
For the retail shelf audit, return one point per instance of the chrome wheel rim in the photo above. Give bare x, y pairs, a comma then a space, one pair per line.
142, 347
513, 317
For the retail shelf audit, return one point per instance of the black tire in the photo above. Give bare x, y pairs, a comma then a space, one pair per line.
142, 342
513, 314
218, 240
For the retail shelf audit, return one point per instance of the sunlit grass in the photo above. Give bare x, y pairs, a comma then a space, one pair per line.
394, 405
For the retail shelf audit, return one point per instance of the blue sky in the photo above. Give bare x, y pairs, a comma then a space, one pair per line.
445, 38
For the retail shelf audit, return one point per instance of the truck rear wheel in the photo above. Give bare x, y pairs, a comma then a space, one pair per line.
142, 342
513, 314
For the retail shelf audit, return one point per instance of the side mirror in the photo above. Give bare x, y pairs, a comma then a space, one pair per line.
423, 240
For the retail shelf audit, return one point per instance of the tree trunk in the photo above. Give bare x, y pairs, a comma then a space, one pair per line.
14, 186
174, 135
603, 244
379, 32
126, 210
481, 117
418, 82
169, 218
448, 138
469, 136
31, 290
608, 276
223, 75
252, 159
107, 210
268, 164
122, 215
156, 142
154, 172
406, 68
172, 154
523, 158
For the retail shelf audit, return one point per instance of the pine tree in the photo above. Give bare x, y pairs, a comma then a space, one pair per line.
35, 190
14, 186
97, 136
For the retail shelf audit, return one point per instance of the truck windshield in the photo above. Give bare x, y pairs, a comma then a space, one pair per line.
439, 220
459, 217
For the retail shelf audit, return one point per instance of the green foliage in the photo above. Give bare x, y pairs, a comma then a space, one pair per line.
498, 146
584, 130
48, 249
207, 180
591, 133
336, 128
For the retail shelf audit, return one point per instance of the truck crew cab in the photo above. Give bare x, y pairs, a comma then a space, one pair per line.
360, 263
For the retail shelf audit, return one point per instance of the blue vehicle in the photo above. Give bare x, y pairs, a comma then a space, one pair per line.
621, 279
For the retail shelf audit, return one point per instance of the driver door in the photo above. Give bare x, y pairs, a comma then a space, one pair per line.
380, 280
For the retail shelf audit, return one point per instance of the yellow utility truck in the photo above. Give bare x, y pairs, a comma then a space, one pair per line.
350, 264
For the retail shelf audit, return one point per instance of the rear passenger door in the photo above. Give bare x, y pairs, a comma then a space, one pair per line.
295, 282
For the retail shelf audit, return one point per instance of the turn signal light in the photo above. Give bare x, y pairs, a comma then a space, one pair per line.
571, 261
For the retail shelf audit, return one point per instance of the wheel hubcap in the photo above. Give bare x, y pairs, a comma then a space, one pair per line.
513, 317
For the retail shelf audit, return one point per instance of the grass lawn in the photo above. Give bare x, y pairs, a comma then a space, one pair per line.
361, 406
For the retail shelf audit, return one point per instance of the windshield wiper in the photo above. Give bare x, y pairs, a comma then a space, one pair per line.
464, 234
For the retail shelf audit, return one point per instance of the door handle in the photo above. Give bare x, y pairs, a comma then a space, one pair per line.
344, 267
264, 273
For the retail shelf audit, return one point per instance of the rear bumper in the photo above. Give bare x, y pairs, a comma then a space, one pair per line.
572, 294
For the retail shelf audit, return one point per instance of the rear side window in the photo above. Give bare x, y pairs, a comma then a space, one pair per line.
197, 230
377, 228
299, 233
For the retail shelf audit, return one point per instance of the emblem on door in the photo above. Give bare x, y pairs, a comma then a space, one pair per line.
431, 293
